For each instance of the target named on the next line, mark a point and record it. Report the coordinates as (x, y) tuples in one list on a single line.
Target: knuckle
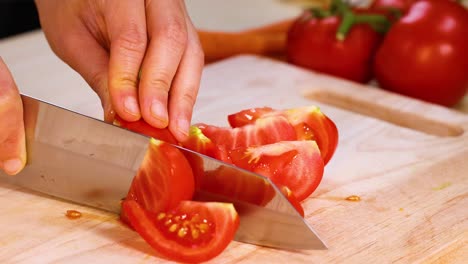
[(196, 51), (161, 81), (126, 79), (133, 39), (188, 99), (175, 32), (97, 81)]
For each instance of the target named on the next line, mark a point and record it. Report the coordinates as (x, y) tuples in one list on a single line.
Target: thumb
[(12, 137)]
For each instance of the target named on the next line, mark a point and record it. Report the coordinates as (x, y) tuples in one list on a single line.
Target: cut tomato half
[(295, 164), (192, 232)]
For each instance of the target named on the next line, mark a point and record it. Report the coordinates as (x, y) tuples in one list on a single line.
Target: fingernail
[(183, 126), (12, 166), (159, 112), (131, 106)]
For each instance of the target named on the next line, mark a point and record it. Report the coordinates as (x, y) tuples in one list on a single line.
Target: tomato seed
[(195, 233), (203, 228), (182, 232), (161, 216), (173, 228)]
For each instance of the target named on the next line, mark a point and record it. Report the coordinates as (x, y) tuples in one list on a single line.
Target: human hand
[(109, 41), (12, 137)]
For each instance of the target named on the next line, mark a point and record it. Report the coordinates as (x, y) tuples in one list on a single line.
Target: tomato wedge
[(248, 116), (163, 180), (260, 132), (292, 199), (200, 143), (309, 123), (230, 182), (144, 128), (191, 232), (295, 164)]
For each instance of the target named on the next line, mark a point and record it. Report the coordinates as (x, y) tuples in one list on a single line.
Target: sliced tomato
[(232, 183), (295, 164), (248, 116), (262, 131), (309, 123), (200, 143), (292, 199), (144, 128), (192, 232), (163, 180)]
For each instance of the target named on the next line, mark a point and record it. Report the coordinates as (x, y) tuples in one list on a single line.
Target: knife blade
[(90, 162)]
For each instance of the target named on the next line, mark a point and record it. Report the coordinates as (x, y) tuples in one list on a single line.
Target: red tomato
[(230, 182), (402, 5), (262, 131), (425, 53), (295, 164), (292, 199), (192, 232), (312, 44), (309, 123), (198, 142), (248, 116), (144, 128), (163, 180)]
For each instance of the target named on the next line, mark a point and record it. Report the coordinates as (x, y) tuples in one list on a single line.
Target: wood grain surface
[(406, 160)]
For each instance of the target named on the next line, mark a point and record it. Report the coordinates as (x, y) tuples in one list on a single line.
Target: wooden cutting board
[(406, 160)]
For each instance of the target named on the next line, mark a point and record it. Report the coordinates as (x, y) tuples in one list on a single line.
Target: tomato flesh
[(164, 178), (262, 131), (191, 232), (309, 124), (295, 164)]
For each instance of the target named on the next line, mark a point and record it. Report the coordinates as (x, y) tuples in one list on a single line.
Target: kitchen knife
[(90, 162)]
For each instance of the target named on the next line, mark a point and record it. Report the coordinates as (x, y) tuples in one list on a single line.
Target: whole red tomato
[(425, 53), (312, 43), (403, 5)]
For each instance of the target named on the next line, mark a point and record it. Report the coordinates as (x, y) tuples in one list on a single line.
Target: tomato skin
[(312, 44), (144, 128), (297, 165), (424, 54), (222, 221), (403, 5)]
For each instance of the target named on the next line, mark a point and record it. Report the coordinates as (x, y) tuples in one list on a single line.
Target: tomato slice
[(248, 116), (163, 180), (191, 232), (309, 123), (230, 182), (295, 164), (262, 131), (292, 199), (200, 143), (144, 128)]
